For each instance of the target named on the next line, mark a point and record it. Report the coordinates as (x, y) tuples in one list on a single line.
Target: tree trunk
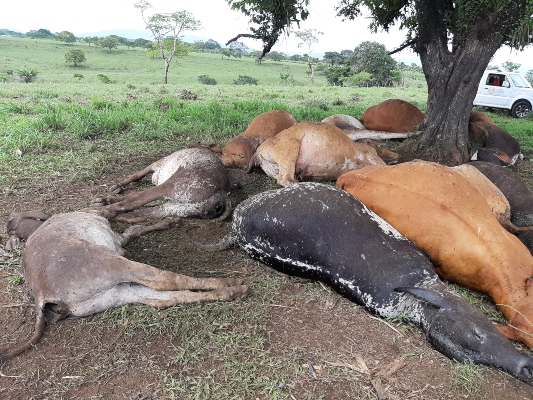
[(167, 66), (452, 73)]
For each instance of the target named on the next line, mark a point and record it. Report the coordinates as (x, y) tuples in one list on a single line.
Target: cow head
[(462, 332), (20, 226)]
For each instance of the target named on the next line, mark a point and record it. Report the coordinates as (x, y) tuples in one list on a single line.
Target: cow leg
[(105, 201), (128, 293), (116, 269), (139, 230), (133, 201), (135, 177)]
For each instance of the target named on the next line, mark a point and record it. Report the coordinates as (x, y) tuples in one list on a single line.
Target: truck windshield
[(519, 81)]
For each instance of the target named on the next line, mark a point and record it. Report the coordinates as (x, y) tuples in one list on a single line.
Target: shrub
[(28, 76), (104, 78), (245, 80), (78, 75), (188, 95), (207, 80)]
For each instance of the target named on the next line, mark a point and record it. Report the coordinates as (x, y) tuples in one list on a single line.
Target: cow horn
[(429, 296)]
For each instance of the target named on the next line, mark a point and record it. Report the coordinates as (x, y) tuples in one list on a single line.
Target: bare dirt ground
[(289, 339)]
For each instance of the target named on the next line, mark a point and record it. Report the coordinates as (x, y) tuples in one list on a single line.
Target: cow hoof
[(99, 202), (232, 292), (116, 189)]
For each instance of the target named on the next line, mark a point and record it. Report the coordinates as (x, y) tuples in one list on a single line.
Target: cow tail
[(40, 322)]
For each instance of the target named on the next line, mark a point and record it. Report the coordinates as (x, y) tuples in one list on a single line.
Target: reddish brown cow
[(446, 216), (239, 150), (392, 115)]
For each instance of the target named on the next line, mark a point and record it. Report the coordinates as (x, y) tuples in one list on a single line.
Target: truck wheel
[(520, 109)]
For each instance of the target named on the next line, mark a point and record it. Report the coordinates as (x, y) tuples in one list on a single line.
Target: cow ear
[(429, 296)]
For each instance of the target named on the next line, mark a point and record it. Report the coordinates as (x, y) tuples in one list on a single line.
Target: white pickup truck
[(508, 90)]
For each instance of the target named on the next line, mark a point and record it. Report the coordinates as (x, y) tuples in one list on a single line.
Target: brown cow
[(312, 151), (193, 181), (238, 151), (392, 115), (73, 266), (490, 142), (443, 214)]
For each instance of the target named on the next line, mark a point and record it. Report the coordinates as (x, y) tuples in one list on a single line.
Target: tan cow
[(443, 214), (238, 151), (312, 151), (392, 115), (74, 267)]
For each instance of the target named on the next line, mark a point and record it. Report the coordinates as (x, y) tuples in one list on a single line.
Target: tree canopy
[(75, 56), (67, 37), (372, 57)]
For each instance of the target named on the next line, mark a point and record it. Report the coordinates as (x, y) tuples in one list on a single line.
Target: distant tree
[(142, 43), (182, 49), (529, 76), (211, 45), (373, 57), (237, 53), (308, 37), (510, 66), (297, 58), (167, 25), (239, 46), (333, 58), (75, 56), (108, 42), (225, 52), (346, 53), (198, 45), (337, 75), (40, 34), (275, 56), (88, 40), (286, 76), (66, 36)]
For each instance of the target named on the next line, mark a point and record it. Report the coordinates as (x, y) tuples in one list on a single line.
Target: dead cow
[(193, 181), (446, 216), (357, 132), (73, 266), (515, 189), (491, 143), (312, 151), (392, 115), (239, 150)]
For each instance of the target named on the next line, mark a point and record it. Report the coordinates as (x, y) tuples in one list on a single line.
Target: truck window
[(519, 81), (495, 79)]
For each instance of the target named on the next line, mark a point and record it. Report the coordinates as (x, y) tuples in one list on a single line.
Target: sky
[(219, 23)]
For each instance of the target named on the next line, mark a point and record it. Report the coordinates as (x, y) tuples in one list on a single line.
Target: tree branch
[(246, 35), (403, 46)]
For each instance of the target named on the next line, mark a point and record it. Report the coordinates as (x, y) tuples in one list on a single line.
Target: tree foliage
[(167, 26), (308, 37), (40, 34), (108, 43), (75, 56), (270, 19), (373, 57), (529, 76), (67, 37), (510, 66)]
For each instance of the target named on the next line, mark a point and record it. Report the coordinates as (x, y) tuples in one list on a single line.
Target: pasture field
[(64, 140)]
